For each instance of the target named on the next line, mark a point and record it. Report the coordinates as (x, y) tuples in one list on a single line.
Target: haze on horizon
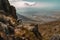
[(37, 6)]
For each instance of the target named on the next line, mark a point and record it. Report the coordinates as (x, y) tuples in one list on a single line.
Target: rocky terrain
[(49, 29), (12, 28)]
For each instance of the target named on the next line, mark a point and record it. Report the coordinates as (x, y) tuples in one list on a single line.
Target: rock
[(13, 11), (9, 24), (7, 19), (55, 37), (10, 10), (5, 5)]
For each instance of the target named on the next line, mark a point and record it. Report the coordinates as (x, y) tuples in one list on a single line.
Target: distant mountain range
[(24, 18), (40, 19)]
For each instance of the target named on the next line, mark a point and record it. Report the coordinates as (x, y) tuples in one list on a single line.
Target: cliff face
[(13, 28), (6, 7)]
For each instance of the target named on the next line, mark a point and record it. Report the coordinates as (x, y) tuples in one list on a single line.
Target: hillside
[(13, 29), (49, 29)]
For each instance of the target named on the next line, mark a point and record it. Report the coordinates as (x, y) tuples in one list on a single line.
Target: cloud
[(21, 4), (44, 5), (15, 0)]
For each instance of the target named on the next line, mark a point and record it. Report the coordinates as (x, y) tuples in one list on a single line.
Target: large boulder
[(10, 10)]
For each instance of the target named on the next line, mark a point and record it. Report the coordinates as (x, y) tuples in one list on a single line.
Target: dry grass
[(49, 29)]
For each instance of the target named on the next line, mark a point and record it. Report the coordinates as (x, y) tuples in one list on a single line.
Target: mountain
[(36, 18), (24, 18)]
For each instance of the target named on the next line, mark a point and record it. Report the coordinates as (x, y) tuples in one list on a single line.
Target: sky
[(38, 3), (32, 7)]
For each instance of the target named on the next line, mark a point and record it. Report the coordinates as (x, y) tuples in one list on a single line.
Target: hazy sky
[(38, 6), (55, 4)]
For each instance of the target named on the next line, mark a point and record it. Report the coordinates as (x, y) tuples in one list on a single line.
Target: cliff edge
[(9, 9)]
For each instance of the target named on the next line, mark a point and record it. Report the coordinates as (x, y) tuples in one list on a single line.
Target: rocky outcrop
[(13, 11), (10, 28), (10, 10)]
